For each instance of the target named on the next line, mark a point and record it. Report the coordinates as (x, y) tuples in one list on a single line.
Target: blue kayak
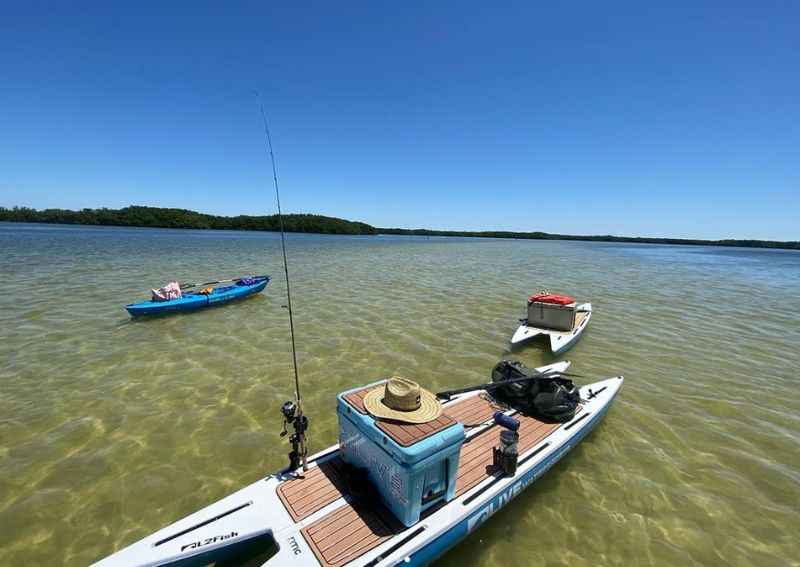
[(192, 300)]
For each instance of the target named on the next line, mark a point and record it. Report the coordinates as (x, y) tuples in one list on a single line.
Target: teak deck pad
[(349, 532), (319, 487), (405, 434), (579, 317), (476, 460), (474, 411), (355, 528)]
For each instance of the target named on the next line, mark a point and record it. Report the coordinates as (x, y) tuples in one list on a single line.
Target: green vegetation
[(157, 217), (794, 245), (180, 218)]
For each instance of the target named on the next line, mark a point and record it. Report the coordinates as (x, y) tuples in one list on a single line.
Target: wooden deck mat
[(473, 411), (349, 532), (356, 399), (316, 489), (475, 462)]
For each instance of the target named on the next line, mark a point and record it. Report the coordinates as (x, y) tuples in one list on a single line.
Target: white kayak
[(311, 519), (560, 341)]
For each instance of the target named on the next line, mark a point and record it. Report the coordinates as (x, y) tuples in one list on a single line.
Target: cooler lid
[(405, 434), (553, 298)]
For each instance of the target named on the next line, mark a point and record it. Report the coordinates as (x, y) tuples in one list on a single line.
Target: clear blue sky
[(636, 118)]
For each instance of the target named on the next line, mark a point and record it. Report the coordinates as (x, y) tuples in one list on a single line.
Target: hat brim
[(429, 407)]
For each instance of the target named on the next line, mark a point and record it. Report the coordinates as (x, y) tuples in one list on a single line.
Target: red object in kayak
[(551, 298)]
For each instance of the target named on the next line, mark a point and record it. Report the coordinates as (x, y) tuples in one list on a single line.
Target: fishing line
[(286, 273)]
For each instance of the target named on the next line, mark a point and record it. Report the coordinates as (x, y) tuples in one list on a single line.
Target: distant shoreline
[(773, 244), (157, 217)]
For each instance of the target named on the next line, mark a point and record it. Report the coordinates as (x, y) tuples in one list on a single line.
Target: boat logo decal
[(208, 541), (295, 546), (498, 502)]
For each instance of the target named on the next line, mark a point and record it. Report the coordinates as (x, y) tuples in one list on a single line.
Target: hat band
[(404, 403)]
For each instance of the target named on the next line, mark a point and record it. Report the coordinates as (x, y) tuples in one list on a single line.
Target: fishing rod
[(292, 412)]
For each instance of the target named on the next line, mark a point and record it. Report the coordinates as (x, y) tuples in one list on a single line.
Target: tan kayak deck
[(357, 527), (579, 317)]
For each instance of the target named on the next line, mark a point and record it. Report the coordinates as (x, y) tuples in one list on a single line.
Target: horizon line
[(346, 226)]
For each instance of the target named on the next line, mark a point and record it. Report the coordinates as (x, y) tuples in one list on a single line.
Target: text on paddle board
[(208, 541)]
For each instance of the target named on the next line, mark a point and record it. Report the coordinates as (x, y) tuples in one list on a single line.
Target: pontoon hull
[(560, 341)]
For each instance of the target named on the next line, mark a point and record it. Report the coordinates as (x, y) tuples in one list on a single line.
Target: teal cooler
[(409, 479)]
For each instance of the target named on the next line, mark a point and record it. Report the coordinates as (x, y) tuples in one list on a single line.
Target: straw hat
[(402, 400)]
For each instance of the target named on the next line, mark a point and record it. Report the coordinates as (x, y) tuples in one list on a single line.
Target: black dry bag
[(557, 399), (552, 398), (511, 370)]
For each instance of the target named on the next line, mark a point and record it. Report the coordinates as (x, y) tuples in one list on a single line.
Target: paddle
[(447, 394), (188, 285)]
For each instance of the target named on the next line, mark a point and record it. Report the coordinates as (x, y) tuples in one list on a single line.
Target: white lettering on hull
[(501, 500)]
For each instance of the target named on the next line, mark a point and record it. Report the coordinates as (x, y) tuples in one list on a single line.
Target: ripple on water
[(110, 429)]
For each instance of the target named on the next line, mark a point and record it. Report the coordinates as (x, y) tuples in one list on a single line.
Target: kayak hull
[(195, 301)]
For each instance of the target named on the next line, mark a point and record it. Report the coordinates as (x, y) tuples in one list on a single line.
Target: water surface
[(112, 428)]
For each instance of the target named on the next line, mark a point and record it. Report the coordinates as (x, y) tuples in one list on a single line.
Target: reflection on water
[(110, 429)]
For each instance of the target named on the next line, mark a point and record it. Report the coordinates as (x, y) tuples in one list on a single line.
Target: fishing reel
[(294, 417), (289, 411)]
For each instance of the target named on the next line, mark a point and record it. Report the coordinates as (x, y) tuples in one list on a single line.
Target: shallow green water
[(110, 429)]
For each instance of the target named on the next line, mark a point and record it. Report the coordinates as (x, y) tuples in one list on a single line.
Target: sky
[(675, 119)]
